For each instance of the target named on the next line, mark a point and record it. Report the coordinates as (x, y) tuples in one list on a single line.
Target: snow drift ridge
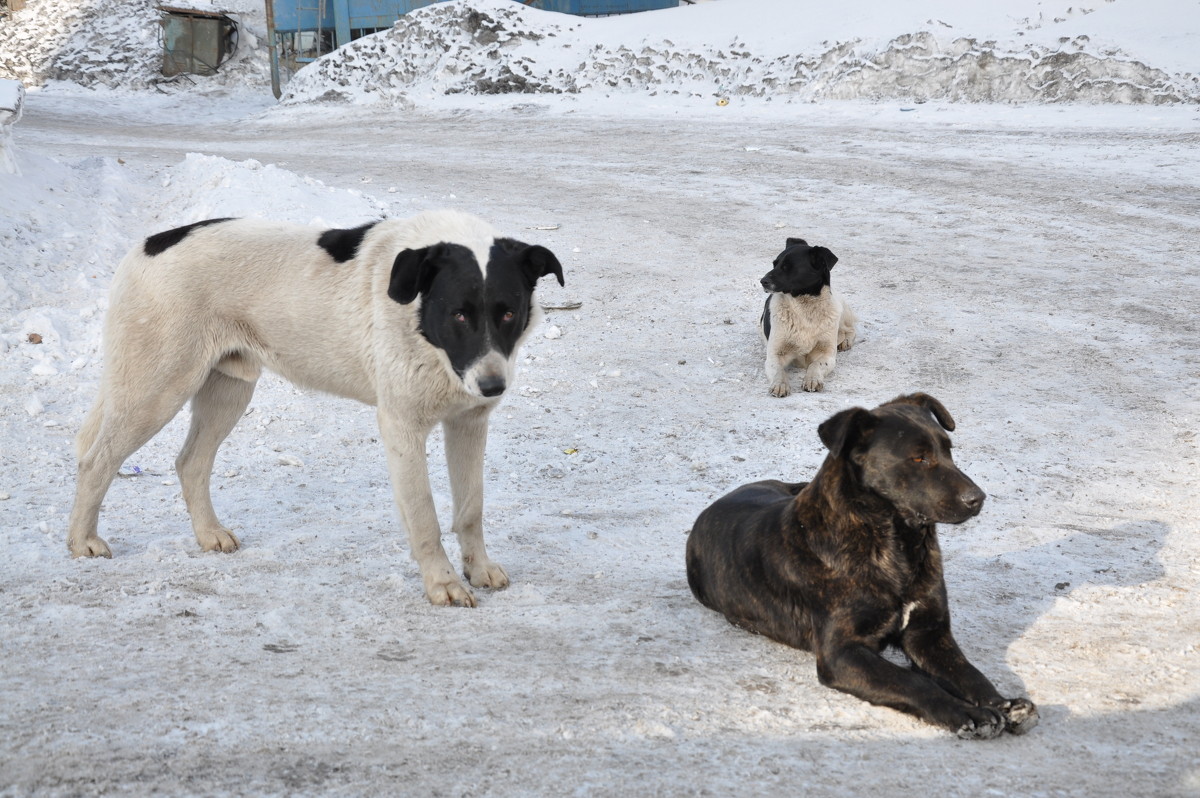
[(496, 46)]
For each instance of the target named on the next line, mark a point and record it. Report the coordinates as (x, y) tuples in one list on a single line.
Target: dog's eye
[(924, 461), (508, 315), (460, 316)]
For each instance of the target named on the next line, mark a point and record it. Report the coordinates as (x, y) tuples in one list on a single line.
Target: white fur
[(809, 331), (202, 319), (906, 613)]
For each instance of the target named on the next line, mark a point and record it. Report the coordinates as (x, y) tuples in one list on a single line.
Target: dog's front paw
[(981, 723), (780, 389), (90, 547), (1020, 715), (485, 573), (218, 539), (813, 383), (447, 592)]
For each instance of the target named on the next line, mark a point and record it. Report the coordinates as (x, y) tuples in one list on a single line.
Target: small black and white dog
[(849, 564), (803, 320), (420, 317)]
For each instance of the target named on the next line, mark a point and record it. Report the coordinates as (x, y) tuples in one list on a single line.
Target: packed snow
[(1030, 262)]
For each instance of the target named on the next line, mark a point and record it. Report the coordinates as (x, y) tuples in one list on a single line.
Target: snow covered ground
[(1033, 266)]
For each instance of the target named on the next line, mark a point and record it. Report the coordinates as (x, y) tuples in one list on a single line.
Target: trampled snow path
[(1033, 268)]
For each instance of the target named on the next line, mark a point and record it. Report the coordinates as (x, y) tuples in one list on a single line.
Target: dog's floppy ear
[(413, 272), (537, 262), (791, 242), (926, 401), (823, 258), (534, 261), (844, 430)]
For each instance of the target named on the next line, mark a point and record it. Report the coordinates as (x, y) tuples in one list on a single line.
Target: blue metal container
[(357, 15), (599, 8)]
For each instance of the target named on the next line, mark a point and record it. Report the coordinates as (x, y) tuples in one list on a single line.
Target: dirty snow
[(117, 43), (985, 52), (1032, 265)]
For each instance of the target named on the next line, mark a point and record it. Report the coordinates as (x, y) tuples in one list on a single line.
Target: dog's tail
[(90, 429)]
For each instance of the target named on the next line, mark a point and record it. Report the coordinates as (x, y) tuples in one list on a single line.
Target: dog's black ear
[(537, 261), (534, 261), (413, 272), (791, 242), (823, 258), (844, 430), (926, 401)]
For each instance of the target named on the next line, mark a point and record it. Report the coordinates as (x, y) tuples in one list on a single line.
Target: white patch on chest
[(799, 323), (905, 613)]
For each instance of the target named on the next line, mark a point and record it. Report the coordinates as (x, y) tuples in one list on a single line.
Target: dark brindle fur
[(849, 564)]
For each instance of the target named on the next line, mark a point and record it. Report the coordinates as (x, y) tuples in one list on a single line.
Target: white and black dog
[(803, 320), (421, 318)]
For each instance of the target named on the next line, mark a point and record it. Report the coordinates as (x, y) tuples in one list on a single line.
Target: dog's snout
[(493, 385), (768, 284), (972, 498)]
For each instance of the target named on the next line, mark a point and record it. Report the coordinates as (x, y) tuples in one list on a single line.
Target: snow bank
[(208, 187), (1119, 51), (114, 43), (763, 48), (12, 96), (64, 227)]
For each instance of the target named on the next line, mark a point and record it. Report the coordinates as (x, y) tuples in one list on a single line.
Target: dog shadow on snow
[(1021, 586)]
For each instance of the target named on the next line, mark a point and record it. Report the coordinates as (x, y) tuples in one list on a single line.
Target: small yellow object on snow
[(724, 101), (571, 451)]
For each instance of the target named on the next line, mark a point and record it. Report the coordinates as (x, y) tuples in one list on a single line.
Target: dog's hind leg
[(83, 540), (216, 408), (91, 427), (466, 437), (117, 426), (846, 333)]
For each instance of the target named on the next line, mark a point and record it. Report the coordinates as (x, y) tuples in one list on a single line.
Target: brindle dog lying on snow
[(849, 564)]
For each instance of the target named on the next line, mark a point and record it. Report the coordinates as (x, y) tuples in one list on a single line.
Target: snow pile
[(207, 187), (110, 42), (113, 43), (12, 96), (497, 46), (49, 259)]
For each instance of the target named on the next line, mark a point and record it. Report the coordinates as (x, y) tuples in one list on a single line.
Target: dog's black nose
[(767, 284), (491, 386), (972, 498)]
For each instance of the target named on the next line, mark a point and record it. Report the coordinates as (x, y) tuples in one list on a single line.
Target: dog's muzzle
[(488, 376), (967, 504), (972, 500), (491, 385), (768, 284)]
